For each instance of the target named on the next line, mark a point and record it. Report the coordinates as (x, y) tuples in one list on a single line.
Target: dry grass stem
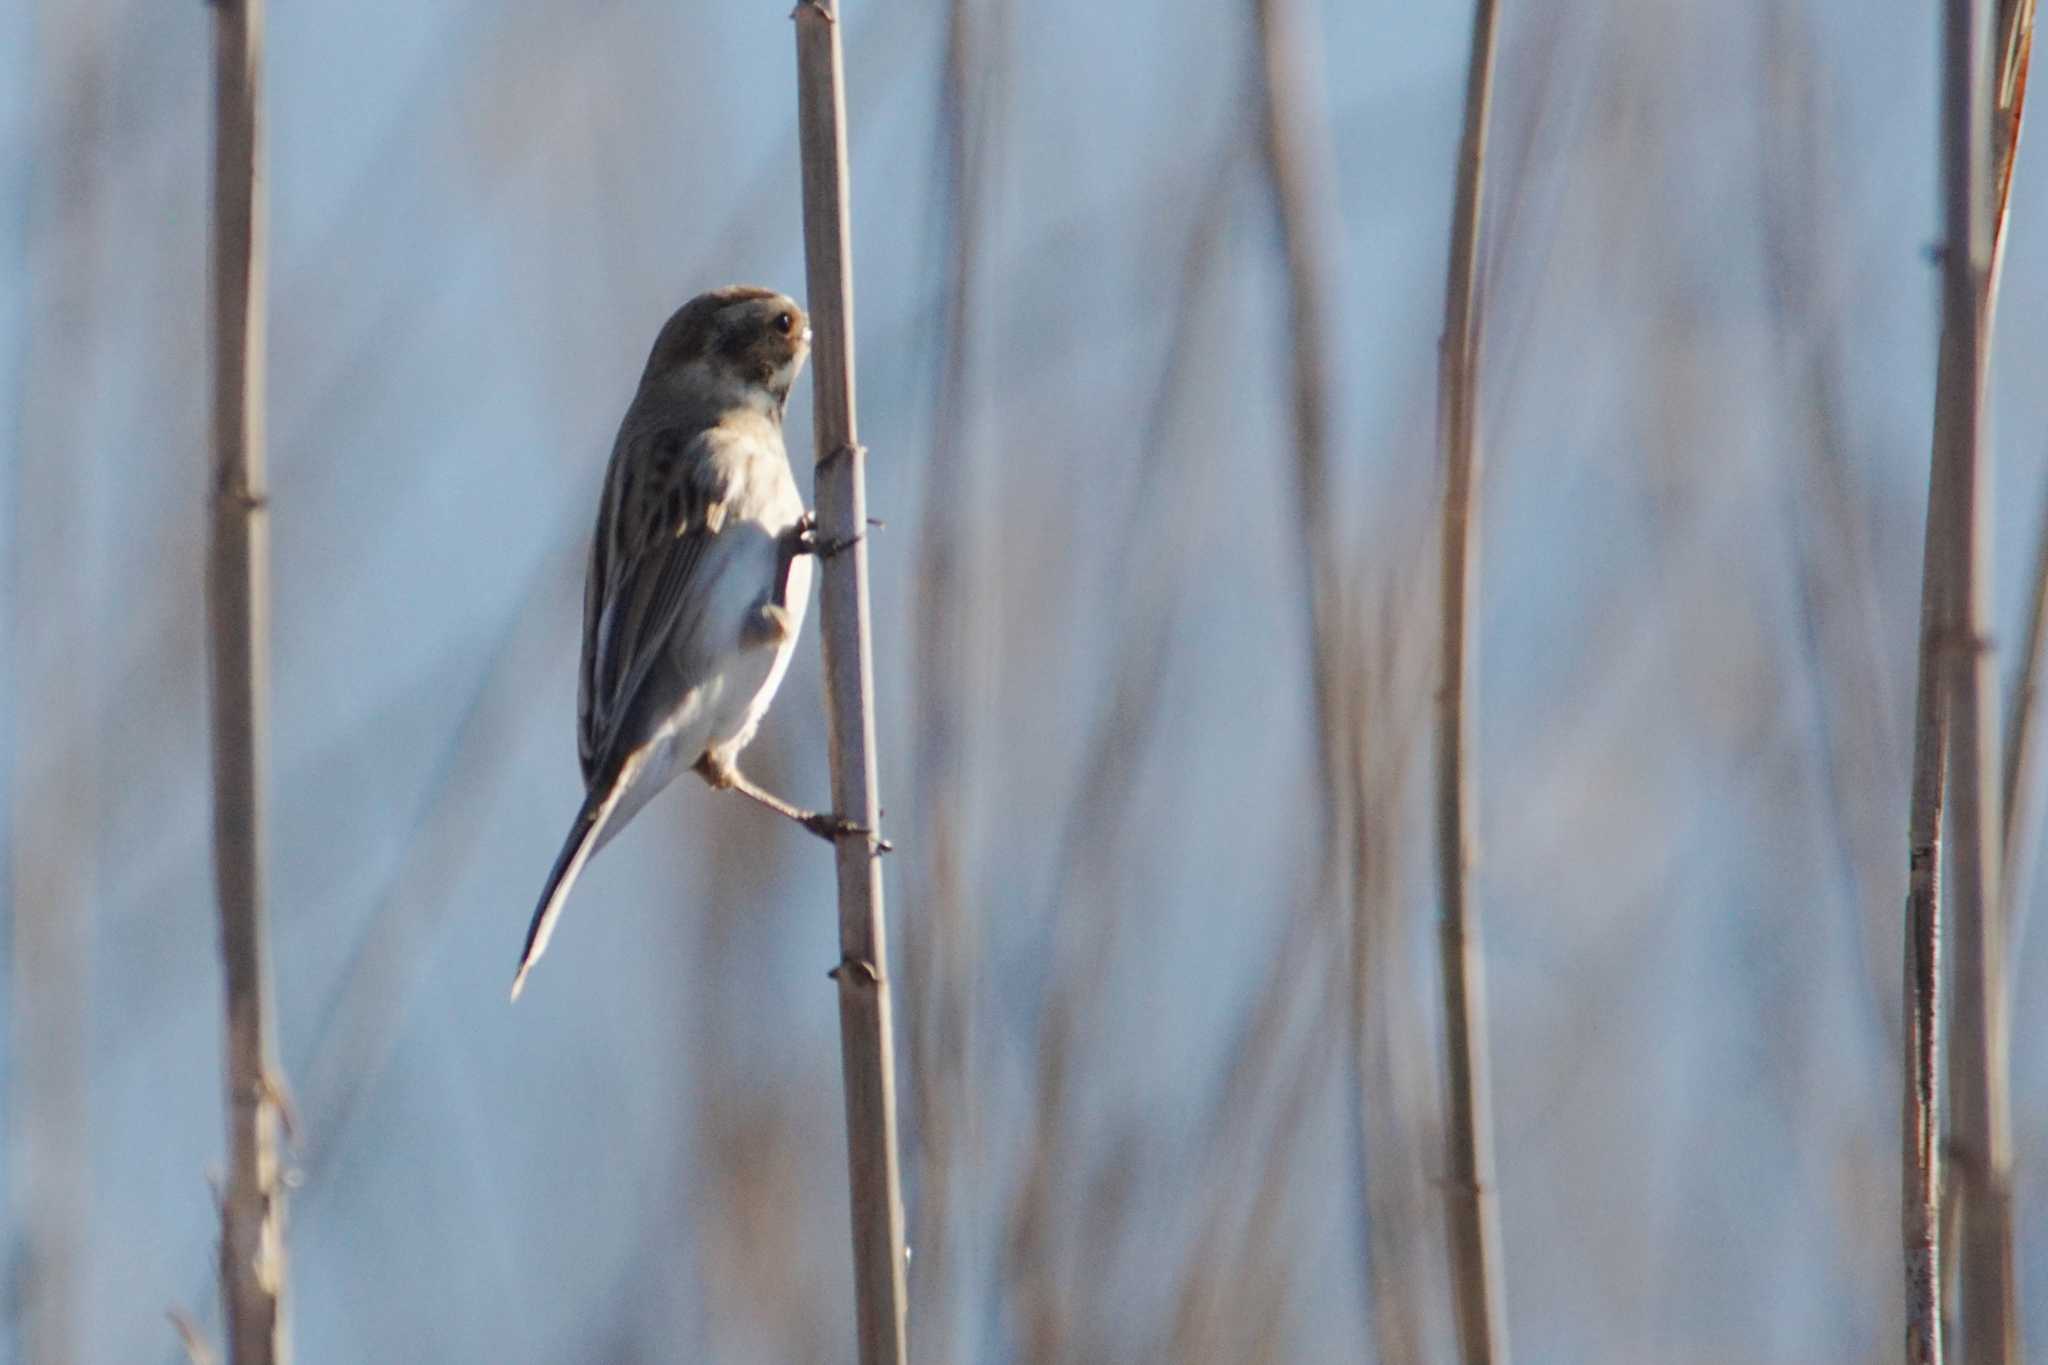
[(1921, 1225), (868, 1047), (1471, 1204), (237, 588), (1959, 583), (2022, 790)]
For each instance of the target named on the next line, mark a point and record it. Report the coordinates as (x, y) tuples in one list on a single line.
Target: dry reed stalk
[(1471, 1204), (1958, 587), (867, 1044), (1924, 977), (252, 1248), (2015, 39), (2023, 796), (1295, 172), (1982, 1142)]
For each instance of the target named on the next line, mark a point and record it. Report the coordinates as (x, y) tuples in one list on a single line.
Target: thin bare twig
[(252, 1209), (1468, 1129), (867, 1044)]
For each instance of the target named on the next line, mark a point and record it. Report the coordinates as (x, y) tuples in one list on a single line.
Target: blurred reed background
[(1168, 1012)]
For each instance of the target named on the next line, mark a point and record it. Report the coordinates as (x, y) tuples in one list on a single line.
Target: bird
[(699, 575)]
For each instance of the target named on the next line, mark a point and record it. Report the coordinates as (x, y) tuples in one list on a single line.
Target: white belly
[(756, 673), (731, 675)]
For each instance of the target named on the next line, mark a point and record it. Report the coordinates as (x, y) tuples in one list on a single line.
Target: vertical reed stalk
[(868, 1048), (237, 588), (1473, 1218), (1981, 1120)]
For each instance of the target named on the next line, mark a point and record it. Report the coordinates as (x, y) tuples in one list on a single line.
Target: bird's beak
[(807, 334)]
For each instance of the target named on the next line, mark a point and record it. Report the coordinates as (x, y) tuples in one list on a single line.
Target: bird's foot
[(724, 775), (832, 828), (809, 542)]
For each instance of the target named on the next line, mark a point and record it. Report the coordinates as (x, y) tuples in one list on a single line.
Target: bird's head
[(741, 342)]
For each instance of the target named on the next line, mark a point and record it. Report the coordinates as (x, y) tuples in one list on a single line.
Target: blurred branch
[(864, 1011), (2022, 787), (941, 955), (1473, 1226), (1119, 740), (360, 1025), (1226, 1307), (51, 811), (252, 1214), (1844, 662), (1298, 167), (1385, 1068)]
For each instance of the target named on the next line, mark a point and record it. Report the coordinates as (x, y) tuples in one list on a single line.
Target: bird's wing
[(665, 499)]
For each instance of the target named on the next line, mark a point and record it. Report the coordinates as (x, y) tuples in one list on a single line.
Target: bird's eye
[(785, 324)]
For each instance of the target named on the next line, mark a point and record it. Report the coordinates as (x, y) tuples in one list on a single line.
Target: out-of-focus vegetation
[(1170, 1074)]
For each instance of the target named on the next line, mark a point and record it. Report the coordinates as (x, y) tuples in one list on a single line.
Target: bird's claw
[(832, 828), (809, 543)]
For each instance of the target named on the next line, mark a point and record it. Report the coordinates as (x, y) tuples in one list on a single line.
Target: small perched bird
[(698, 576)]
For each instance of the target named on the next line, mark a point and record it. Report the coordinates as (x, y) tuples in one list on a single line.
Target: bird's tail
[(599, 808)]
